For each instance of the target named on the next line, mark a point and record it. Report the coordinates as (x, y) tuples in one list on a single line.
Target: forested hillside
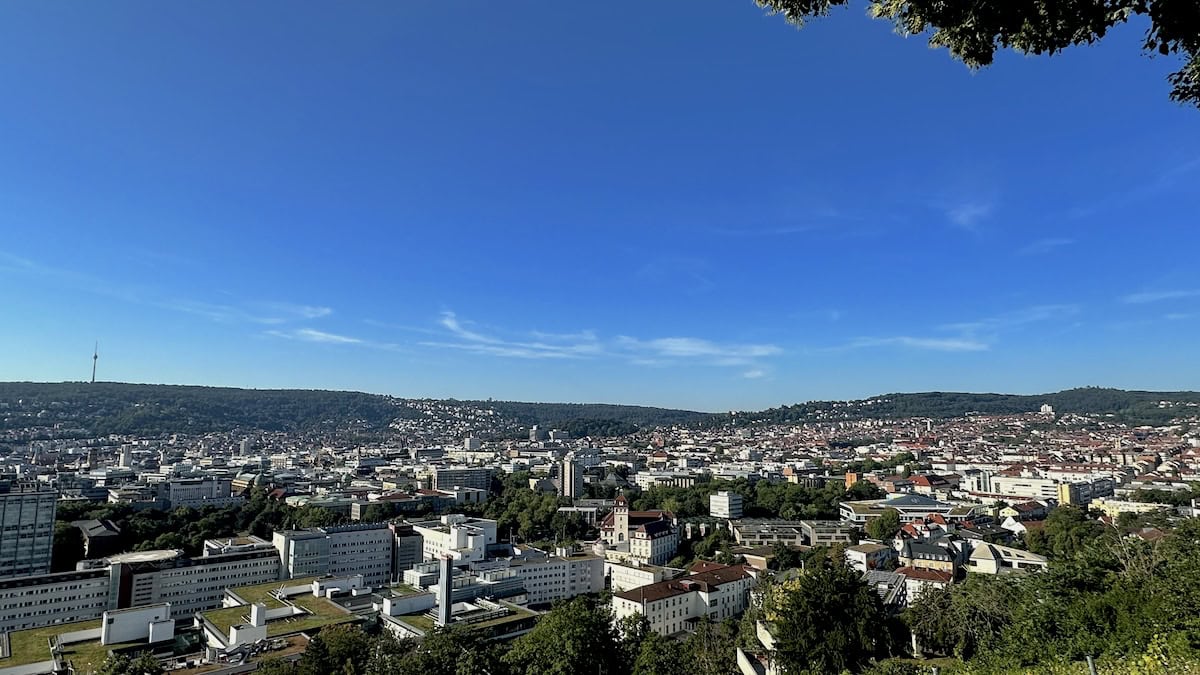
[(1135, 407)]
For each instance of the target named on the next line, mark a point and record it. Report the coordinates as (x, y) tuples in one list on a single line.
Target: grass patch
[(261, 593), (33, 646)]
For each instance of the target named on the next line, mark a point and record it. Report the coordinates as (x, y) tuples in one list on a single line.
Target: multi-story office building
[(560, 577), (827, 532), (725, 505), (408, 550), (444, 479), (464, 539), (341, 551), (136, 580), (26, 529), (31, 602), (199, 492), (768, 532), (190, 584)]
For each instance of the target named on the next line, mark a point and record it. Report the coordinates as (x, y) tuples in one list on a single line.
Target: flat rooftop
[(31, 646), (320, 611)]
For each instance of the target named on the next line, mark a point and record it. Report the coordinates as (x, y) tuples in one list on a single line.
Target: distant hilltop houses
[(243, 542)]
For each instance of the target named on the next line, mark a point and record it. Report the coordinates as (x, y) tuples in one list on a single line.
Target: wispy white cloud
[(693, 275), (968, 215), (970, 336), (1166, 179), (754, 374), (1044, 246), (286, 311), (1158, 296), (938, 344), (690, 348), (1177, 316), (464, 336), (313, 335), (776, 231), (549, 346), (1013, 319), (266, 313)]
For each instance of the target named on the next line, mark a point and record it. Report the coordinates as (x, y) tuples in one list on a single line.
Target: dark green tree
[(885, 525), (660, 655), (828, 621), (143, 663), (975, 31), (68, 547), (574, 637)]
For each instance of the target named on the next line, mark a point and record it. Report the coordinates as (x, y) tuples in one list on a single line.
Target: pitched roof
[(703, 582), (921, 574)]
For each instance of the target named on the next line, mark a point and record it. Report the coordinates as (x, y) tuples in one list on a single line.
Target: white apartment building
[(560, 577), (462, 538), (674, 606), (341, 551), (649, 479), (32, 602), (725, 505), (189, 584), (135, 580), (1080, 492)]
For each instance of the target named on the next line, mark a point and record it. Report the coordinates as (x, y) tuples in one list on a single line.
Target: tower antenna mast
[(95, 357)]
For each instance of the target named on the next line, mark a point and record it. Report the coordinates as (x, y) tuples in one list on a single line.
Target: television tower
[(95, 357)]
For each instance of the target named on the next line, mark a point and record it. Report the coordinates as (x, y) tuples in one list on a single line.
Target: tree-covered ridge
[(563, 415), (150, 409), (1136, 407), (154, 409)]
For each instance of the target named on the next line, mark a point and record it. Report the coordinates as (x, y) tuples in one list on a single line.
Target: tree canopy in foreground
[(974, 31)]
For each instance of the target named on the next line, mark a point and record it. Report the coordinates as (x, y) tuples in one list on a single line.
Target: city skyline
[(706, 210)]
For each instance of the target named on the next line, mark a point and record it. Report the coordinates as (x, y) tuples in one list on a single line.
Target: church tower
[(621, 519)]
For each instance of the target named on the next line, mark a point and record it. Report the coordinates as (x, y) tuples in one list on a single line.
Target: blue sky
[(668, 203)]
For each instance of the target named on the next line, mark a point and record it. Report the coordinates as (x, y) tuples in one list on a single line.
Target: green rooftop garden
[(33, 646), (321, 612), (261, 593)]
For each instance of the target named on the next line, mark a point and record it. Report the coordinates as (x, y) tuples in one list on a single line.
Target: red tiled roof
[(703, 581), (922, 574)]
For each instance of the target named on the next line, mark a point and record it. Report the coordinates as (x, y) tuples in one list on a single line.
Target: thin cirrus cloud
[(313, 335), (265, 313), (971, 336), (949, 344), (464, 336), (1044, 246), (1159, 296), (968, 215)]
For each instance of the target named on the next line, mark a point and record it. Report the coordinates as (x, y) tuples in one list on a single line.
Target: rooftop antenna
[(95, 357)]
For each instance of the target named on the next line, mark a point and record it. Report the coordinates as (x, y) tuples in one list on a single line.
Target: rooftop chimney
[(443, 611)]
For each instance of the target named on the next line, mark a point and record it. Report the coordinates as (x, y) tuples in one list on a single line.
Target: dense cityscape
[(722, 540), (744, 337)]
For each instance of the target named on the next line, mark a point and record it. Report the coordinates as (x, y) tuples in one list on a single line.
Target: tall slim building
[(570, 478), (26, 530)]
